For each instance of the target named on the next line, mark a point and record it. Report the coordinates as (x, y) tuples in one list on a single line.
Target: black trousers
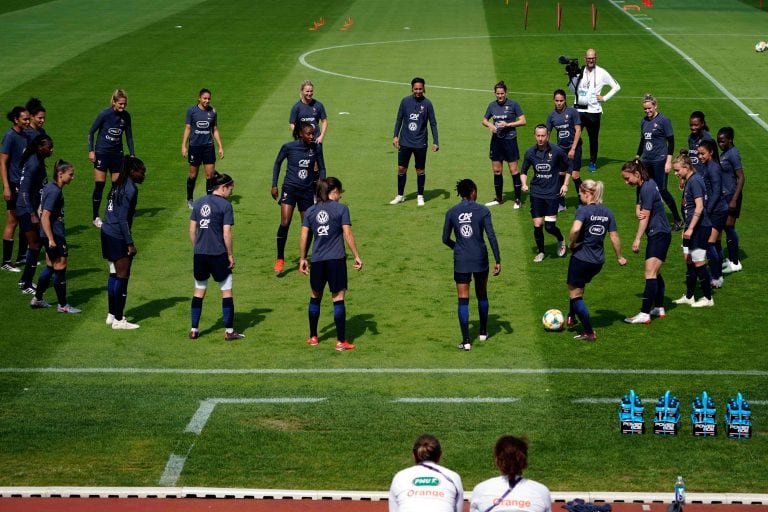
[(590, 122)]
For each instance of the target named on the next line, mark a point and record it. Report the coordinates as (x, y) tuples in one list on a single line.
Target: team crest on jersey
[(322, 217), (413, 126), (205, 210), (303, 174)]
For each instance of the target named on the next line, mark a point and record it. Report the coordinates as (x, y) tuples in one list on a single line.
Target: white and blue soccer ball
[(761, 46), (553, 320)]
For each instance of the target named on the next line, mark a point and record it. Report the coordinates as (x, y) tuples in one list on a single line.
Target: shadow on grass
[(430, 195), (153, 308), (148, 212), (79, 296), (495, 326)]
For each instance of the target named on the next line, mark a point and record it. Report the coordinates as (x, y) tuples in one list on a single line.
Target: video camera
[(572, 68)]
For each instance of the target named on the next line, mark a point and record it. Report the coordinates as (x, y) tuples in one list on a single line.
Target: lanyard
[(506, 493)]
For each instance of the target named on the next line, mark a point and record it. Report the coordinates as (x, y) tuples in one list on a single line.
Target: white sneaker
[(640, 318), (561, 249), (517, 205), (732, 267), (97, 222), (482, 337), (189, 204), (495, 202), (717, 283), (684, 300), (9, 267), (419, 200), (466, 347), (726, 262), (38, 303), (538, 258), (658, 312), (124, 324), (110, 319), (397, 199), (561, 208), (703, 303), (68, 309)]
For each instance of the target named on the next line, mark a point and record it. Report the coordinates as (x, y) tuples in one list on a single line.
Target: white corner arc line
[(752, 115), (456, 400)]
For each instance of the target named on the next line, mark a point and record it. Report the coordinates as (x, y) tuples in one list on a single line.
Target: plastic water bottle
[(680, 490)]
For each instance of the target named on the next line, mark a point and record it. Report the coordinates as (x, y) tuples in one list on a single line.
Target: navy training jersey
[(653, 138), (695, 188), (201, 123), (53, 201), (596, 222), (730, 162), (300, 169), (694, 141), (325, 220), (211, 213), (111, 126), (649, 198), (411, 122), (508, 112), (14, 144), (119, 211), (564, 124), (547, 165), (33, 178), (468, 220), (713, 179), (311, 113)]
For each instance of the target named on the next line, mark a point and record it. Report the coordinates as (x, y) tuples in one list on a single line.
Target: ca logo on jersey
[(322, 217), (465, 217)]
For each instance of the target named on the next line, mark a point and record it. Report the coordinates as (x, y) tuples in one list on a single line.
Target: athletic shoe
[(684, 300), (571, 321), (726, 262), (9, 267), (732, 267), (398, 199), (97, 222), (110, 319), (677, 225), (658, 312), (561, 208), (640, 318), (29, 290), (483, 336), (494, 202), (279, 266), (561, 249), (123, 325), (592, 167), (539, 258), (20, 262), (36, 303), (703, 303), (189, 204), (419, 200), (341, 346), (517, 204), (232, 336), (194, 334), (586, 336), (313, 341), (20, 285), (465, 346), (68, 309), (717, 283)]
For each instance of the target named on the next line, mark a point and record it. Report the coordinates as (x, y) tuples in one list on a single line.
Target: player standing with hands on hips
[(410, 138)]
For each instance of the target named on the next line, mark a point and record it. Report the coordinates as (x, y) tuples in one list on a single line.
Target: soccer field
[(85, 405)]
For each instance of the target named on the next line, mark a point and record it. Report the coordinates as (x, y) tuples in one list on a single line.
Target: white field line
[(374, 371), (456, 400), (752, 115)]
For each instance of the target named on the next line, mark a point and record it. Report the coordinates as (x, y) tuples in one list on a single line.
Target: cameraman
[(588, 88)]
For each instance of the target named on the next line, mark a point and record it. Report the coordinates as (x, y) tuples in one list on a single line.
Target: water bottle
[(680, 490)]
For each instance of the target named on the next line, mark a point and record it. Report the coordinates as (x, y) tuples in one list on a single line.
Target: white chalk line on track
[(373, 371)]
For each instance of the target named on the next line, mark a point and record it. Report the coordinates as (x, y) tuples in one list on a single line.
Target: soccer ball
[(761, 46), (553, 320)]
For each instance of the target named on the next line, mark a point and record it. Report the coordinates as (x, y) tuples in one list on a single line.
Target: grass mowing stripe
[(456, 400)]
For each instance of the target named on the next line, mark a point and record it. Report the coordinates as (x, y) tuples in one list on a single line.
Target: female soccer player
[(52, 238), (309, 110), (203, 118), (117, 245), (566, 123), (716, 205), (733, 187), (13, 146), (507, 492), (652, 221), (548, 162), (467, 221), (305, 165), (329, 223), (445, 492), (36, 118), (210, 231), (592, 223), (502, 118), (698, 228), (33, 178), (699, 133), (106, 151), (656, 147)]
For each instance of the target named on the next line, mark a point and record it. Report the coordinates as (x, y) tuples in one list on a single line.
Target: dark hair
[(427, 447), (711, 146), (511, 455), (15, 112), (33, 147), (500, 85), (465, 187), (203, 91), (727, 131), (300, 127), (325, 186), (636, 167), (698, 114), (220, 180), (539, 126), (61, 166), (418, 80), (561, 92), (34, 106), (130, 164)]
